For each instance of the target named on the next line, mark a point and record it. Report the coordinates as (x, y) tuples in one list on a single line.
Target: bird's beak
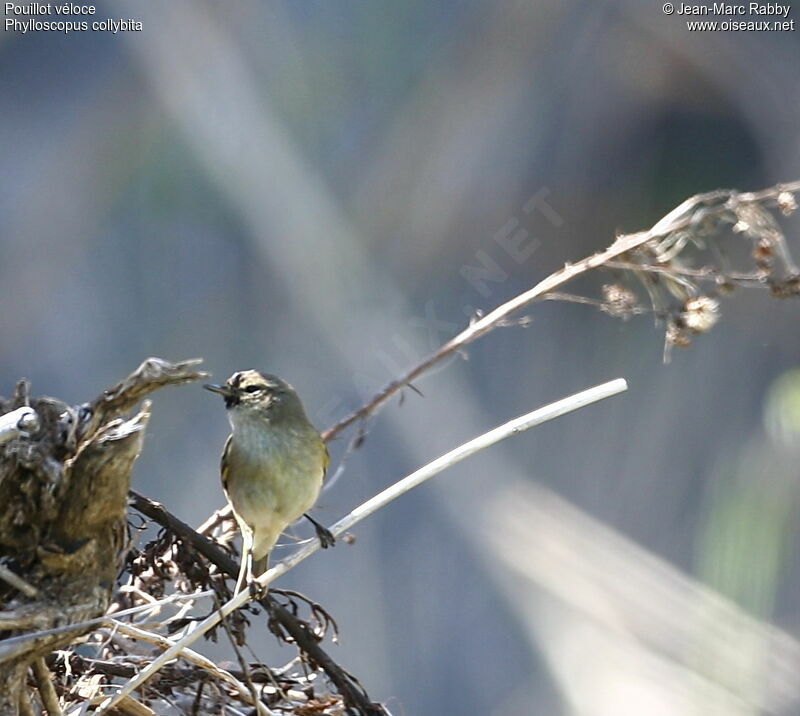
[(221, 389)]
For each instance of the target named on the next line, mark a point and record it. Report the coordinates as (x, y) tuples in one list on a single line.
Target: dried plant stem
[(703, 274), (25, 706), (247, 677), (683, 216), (12, 645), (193, 657), (513, 427), (12, 578), (43, 681)]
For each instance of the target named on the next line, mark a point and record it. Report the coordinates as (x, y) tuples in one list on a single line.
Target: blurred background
[(308, 188)]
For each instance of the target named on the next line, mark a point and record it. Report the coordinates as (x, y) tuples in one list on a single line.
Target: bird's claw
[(257, 591), (325, 537)]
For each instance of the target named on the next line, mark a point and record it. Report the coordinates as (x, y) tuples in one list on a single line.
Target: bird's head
[(256, 394)]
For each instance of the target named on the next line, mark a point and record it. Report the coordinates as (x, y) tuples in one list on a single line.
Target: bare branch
[(152, 374), (686, 216), (25, 706), (17, 582), (45, 685)]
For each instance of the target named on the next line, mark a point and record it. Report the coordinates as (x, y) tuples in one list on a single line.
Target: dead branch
[(656, 250), (64, 480)]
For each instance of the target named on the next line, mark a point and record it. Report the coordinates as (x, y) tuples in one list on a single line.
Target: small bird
[(272, 465)]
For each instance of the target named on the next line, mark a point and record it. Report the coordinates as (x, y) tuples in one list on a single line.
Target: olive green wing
[(225, 464)]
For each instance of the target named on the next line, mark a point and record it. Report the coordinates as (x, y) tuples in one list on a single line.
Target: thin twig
[(585, 301), (25, 706), (217, 518), (14, 647), (513, 427), (195, 658), (43, 681), (160, 514), (248, 679), (704, 274), (126, 670), (17, 582), (198, 697), (683, 216), (10, 647)]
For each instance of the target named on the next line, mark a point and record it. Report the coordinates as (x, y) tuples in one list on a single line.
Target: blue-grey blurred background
[(301, 187)]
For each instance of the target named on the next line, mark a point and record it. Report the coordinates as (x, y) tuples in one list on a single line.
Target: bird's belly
[(279, 489), (274, 497)]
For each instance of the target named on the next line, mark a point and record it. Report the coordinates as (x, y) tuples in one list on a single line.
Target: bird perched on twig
[(272, 465)]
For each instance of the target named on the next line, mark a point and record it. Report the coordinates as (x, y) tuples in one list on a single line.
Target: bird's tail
[(250, 569), (260, 565)]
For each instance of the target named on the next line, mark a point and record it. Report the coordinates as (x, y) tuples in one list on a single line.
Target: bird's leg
[(324, 535), (245, 570), (257, 568)]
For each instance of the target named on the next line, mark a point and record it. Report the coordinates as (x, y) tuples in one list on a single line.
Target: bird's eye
[(252, 389)]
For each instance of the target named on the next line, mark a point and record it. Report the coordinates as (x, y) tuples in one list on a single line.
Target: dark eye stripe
[(253, 388)]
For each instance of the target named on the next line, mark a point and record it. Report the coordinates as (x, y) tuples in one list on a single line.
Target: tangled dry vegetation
[(170, 567), (71, 632)]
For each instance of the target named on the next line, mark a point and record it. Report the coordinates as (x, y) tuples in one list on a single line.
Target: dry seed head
[(741, 226), (787, 203), (700, 314), (764, 252), (621, 300), (678, 335)]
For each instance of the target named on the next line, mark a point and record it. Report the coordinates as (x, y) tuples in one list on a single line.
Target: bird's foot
[(257, 591), (324, 535)]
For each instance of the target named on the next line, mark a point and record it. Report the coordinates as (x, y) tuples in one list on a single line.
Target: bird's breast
[(274, 474)]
